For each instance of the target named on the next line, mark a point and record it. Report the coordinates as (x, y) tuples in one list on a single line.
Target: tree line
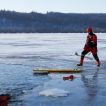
[(51, 22)]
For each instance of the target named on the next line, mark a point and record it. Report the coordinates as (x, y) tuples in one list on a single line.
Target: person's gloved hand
[(91, 44)]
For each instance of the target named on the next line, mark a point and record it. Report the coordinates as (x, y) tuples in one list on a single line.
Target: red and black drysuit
[(90, 46)]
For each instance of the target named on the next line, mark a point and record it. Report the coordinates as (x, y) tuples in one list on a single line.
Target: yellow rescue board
[(47, 71)]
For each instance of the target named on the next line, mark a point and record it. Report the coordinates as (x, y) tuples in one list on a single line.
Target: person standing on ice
[(90, 46)]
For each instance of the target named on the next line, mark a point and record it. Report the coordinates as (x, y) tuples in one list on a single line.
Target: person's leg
[(82, 58), (97, 59)]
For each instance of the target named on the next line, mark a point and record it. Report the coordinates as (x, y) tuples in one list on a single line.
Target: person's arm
[(86, 44)]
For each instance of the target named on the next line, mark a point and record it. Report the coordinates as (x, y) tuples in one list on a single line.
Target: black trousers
[(94, 55)]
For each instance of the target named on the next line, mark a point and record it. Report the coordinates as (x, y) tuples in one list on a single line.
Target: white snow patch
[(54, 92)]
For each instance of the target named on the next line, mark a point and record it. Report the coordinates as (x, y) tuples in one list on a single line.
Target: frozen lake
[(20, 53)]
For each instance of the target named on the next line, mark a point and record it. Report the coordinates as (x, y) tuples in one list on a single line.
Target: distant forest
[(51, 22)]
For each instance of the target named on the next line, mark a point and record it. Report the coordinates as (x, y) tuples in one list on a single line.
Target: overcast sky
[(65, 6)]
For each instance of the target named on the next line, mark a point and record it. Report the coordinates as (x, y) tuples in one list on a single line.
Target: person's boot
[(98, 63), (81, 62)]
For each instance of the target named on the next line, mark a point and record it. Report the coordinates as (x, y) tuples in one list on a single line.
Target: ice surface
[(20, 53)]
